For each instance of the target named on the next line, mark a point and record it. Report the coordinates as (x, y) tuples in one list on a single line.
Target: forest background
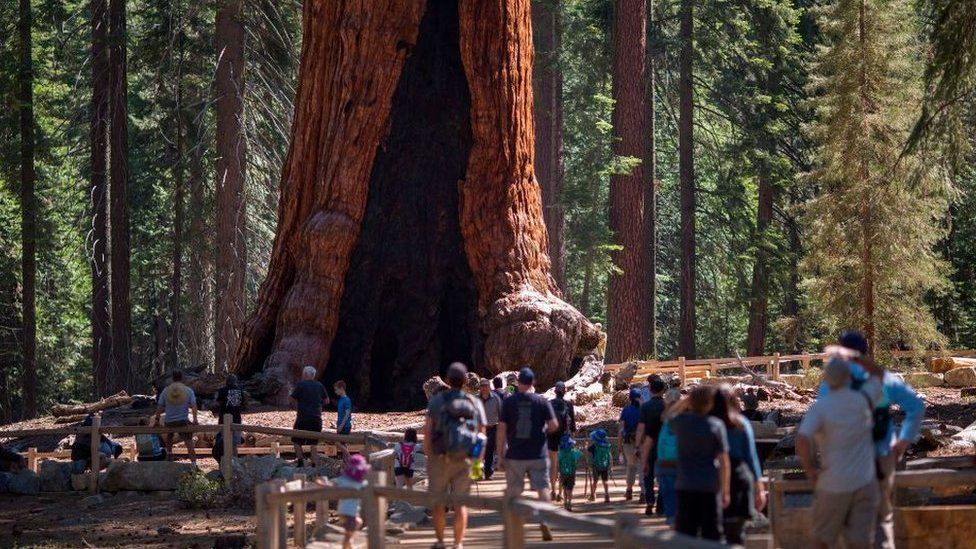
[(143, 143)]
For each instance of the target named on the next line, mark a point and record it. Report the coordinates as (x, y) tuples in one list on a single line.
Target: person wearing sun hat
[(567, 457), (177, 400), (353, 476), (600, 462)]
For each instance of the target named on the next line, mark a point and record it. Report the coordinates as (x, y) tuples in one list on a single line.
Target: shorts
[(567, 481), (307, 423), (184, 435), (850, 514), (603, 475), (516, 469), (403, 472), (445, 474), (553, 440)]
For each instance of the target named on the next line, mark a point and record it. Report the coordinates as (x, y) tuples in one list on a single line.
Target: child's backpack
[(405, 457), (566, 461), (601, 457), (456, 432)]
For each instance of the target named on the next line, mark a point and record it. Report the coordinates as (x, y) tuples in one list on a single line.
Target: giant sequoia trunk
[(410, 229)]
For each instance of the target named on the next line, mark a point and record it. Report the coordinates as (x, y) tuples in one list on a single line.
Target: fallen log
[(70, 419), (120, 399), (588, 374)]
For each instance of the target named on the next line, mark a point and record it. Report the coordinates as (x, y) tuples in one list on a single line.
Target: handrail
[(273, 498)]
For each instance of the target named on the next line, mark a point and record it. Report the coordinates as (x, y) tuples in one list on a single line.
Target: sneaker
[(569, 507), (438, 545), (559, 497), (628, 495), (649, 510), (546, 534), (552, 495), (591, 497)]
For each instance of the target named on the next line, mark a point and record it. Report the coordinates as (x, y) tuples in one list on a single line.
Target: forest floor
[(157, 520)]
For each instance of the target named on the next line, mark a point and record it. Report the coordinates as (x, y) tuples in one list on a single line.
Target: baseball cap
[(526, 376), (560, 387), (634, 393)]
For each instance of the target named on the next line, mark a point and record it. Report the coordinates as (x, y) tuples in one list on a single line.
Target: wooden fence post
[(262, 531), (95, 453), (299, 512), (279, 530), (225, 463), (681, 371), (776, 367), (374, 511), (805, 362), (274, 449), (32, 459), (514, 535), (621, 525)]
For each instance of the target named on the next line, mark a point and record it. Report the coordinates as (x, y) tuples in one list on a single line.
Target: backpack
[(456, 431), (601, 457), (880, 415), (567, 462), (561, 408), (405, 459)]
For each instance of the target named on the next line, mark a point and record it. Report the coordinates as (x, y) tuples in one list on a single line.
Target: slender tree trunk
[(483, 284), (28, 208), (231, 253), (119, 199), (548, 80), (686, 171), (650, 195), (176, 283), (101, 307), (9, 343), (627, 295), (759, 298)]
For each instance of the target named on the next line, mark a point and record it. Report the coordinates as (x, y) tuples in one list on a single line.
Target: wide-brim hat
[(356, 468), (566, 442), (598, 436)]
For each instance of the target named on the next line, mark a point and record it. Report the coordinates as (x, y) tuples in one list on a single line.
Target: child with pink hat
[(353, 476)]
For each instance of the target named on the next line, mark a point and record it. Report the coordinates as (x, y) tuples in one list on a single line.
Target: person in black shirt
[(566, 416), (230, 400), (308, 397), (648, 429)]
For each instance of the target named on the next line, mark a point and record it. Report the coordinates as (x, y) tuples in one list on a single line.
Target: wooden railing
[(771, 363), (273, 498), (369, 441)]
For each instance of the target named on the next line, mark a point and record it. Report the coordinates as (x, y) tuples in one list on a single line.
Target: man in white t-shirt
[(846, 492)]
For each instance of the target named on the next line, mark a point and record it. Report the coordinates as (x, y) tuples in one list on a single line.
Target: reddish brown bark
[(231, 252), (119, 199), (686, 171), (627, 298), (548, 82), (101, 314), (376, 237)]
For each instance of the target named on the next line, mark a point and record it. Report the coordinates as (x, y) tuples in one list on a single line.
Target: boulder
[(961, 377), (55, 476), (625, 374), (250, 471), (144, 476), (24, 482), (921, 380), (328, 467), (407, 516), (79, 481)]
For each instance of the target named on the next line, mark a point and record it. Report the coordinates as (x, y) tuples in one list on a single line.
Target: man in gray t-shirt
[(493, 407), (177, 401)]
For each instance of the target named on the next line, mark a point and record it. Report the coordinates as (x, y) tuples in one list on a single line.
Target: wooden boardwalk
[(485, 527)]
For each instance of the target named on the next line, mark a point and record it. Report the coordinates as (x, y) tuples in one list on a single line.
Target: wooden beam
[(228, 457)]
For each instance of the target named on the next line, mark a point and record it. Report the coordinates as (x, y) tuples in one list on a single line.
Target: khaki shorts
[(517, 469), (850, 514), (448, 475)]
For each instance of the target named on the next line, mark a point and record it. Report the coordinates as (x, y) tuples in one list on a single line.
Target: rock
[(79, 481), (407, 516), (625, 374), (145, 476), (922, 380), (55, 476), (25, 483), (762, 394), (249, 471), (967, 392), (584, 395), (932, 438), (433, 386), (621, 398), (961, 377)]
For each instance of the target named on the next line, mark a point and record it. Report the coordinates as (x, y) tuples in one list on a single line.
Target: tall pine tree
[(872, 226)]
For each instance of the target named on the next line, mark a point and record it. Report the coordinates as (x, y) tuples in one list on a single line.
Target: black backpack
[(456, 428), (561, 408)]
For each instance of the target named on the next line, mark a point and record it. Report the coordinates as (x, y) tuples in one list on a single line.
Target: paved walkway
[(485, 527)]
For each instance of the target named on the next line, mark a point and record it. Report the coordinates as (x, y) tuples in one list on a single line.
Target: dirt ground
[(157, 520)]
